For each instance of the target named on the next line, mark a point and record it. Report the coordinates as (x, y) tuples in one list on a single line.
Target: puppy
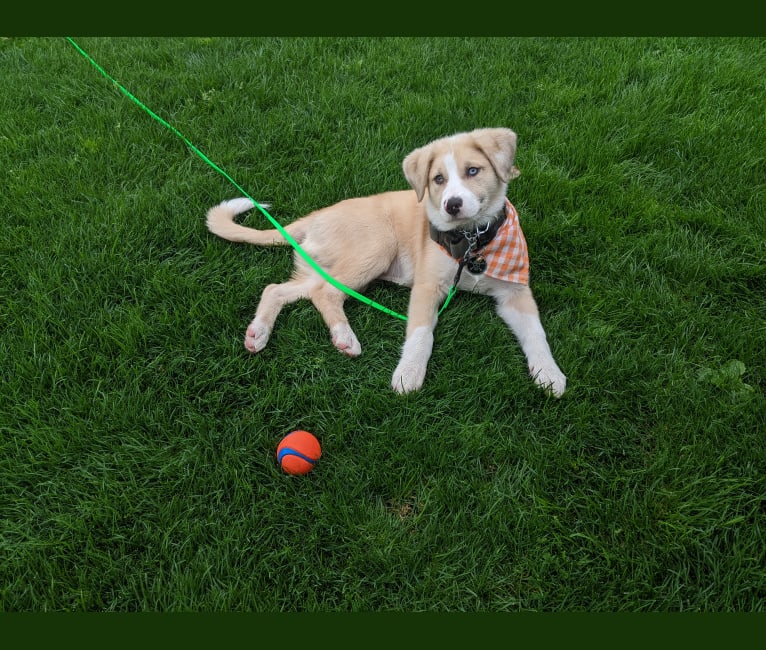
[(455, 226)]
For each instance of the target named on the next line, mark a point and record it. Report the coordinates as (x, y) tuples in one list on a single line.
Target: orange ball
[(298, 451)]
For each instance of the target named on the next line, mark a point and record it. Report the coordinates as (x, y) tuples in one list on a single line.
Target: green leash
[(274, 222)]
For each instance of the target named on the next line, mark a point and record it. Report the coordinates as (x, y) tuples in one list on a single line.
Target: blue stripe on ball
[(287, 451)]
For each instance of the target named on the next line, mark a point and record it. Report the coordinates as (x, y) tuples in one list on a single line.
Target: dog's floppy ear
[(499, 146), (417, 166)]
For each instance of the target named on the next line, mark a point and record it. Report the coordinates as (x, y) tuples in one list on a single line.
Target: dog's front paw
[(257, 336), (345, 340), (408, 377), (411, 371), (550, 378)]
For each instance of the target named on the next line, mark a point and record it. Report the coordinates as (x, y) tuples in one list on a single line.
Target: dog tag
[(476, 264)]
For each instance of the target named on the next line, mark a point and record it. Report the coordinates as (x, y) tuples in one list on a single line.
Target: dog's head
[(465, 176)]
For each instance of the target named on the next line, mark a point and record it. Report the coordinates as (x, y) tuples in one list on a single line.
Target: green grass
[(137, 435)]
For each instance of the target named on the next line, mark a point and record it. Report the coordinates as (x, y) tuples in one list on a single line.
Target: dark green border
[(382, 630), (389, 17)]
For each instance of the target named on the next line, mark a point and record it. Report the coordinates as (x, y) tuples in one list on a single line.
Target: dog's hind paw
[(257, 336), (345, 340), (551, 379)]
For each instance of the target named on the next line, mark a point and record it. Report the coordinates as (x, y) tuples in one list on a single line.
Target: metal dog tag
[(476, 264)]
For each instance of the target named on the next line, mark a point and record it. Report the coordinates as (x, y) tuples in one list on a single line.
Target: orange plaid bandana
[(506, 255)]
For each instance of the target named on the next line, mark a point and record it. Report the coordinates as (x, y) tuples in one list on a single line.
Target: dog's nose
[(453, 205)]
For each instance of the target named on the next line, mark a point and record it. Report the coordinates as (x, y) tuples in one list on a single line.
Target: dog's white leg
[(273, 298), (411, 371), (421, 321), (520, 314)]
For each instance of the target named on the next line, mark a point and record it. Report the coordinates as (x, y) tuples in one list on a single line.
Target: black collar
[(460, 241)]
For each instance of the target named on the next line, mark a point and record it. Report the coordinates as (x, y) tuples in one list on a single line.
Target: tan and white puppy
[(458, 185)]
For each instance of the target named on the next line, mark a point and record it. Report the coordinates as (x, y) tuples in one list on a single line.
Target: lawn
[(137, 435)]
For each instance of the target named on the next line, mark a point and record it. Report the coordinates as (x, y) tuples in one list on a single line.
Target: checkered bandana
[(506, 255)]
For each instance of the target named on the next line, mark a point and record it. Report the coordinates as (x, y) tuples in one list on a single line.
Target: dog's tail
[(220, 221)]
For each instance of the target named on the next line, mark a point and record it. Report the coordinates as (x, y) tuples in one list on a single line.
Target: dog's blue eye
[(472, 171), (438, 179)]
